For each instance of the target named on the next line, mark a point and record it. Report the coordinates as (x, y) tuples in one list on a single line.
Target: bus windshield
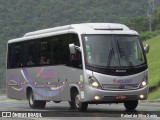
[(113, 50)]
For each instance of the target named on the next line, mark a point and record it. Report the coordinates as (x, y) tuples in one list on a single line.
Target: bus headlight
[(94, 83), (144, 82)]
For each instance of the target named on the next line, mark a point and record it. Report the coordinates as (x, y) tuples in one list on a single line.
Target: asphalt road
[(145, 111)]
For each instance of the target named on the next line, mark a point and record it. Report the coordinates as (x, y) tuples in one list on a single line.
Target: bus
[(87, 63)]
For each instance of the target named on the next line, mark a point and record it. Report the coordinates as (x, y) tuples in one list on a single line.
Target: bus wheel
[(131, 105), (35, 103), (71, 105), (56, 101), (81, 106)]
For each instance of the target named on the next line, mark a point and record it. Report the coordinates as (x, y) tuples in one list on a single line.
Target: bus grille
[(120, 86)]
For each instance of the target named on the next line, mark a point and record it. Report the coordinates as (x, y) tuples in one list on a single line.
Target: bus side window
[(60, 49), (75, 59), (17, 55), (45, 51), (11, 56), (29, 53)]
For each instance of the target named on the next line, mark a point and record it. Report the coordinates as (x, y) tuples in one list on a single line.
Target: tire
[(56, 101), (131, 105), (35, 103), (80, 106), (71, 104)]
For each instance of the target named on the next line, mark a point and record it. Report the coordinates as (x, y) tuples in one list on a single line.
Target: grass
[(154, 95), (153, 58)]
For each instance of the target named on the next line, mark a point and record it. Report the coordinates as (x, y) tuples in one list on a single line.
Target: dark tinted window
[(15, 55), (29, 53), (75, 59), (45, 51), (60, 49)]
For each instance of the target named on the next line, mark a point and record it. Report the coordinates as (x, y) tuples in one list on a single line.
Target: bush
[(148, 35)]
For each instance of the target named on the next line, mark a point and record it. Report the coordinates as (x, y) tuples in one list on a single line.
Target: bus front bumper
[(93, 95)]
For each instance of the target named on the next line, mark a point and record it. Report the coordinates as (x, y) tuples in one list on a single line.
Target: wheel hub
[(31, 99), (77, 101)]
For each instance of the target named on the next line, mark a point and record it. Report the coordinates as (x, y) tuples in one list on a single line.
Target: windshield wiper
[(123, 53), (111, 52)]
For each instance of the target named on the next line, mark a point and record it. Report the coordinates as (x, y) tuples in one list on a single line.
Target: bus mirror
[(146, 48), (72, 48), (78, 48)]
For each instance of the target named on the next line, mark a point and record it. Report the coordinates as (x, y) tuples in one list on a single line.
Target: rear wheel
[(81, 106), (131, 105), (35, 103)]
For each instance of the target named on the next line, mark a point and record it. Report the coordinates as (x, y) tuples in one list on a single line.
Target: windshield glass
[(113, 50)]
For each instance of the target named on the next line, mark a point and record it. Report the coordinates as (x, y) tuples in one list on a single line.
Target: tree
[(156, 19), (139, 24)]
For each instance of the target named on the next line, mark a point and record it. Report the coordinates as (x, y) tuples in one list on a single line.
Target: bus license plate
[(121, 97)]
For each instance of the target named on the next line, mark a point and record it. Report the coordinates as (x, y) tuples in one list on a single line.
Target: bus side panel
[(69, 76), (63, 81), (15, 84), (43, 81), (47, 86)]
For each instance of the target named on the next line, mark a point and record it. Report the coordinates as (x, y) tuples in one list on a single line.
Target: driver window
[(75, 59)]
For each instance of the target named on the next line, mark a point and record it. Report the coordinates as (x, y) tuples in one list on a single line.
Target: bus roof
[(82, 28)]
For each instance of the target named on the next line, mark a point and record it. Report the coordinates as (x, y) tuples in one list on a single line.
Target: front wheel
[(35, 103), (131, 105), (81, 106), (56, 101), (71, 104)]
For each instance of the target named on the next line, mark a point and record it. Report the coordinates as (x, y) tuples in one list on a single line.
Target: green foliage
[(156, 19), (154, 95), (148, 35), (153, 60), (139, 24)]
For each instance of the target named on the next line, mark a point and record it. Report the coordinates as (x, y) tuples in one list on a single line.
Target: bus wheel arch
[(72, 92), (28, 90), (75, 100), (31, 100)]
